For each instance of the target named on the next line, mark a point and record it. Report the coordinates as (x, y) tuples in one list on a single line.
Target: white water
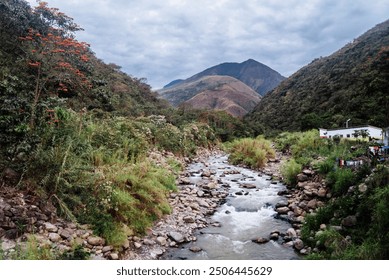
[(242, 218)]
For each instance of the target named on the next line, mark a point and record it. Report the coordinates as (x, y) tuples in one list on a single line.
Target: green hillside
[(351, 84)]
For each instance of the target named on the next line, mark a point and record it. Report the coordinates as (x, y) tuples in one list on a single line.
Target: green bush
[(326, 166), (289, 171), (312, 222), (97, 172), (304, 146), (340, 180), (251, 152)]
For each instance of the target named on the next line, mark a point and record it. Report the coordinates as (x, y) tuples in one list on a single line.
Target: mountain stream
[(248, 213)]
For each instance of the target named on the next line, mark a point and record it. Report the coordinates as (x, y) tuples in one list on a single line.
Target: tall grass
[(289, 171), (340, 180), (96, 171), (251, 152)]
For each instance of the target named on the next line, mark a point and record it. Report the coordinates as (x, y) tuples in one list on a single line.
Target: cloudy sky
[(163, 40)]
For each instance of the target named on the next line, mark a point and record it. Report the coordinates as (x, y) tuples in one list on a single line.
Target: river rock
[(308, 172), (148, 242), (194, 206), (50, 227), (282, 204), (206, 173), (288, 244), (274, 236), (54, 237), (260, 240), (114, 256), (184, 181), (200, 193), (248, 186), (107, 249), (156, 253), (203, 203), (322, 192), (299, 219), (195, 249), (291, 232), (66, 234), (189, 219), (161, 240), (302, 177), (95, 241), (212, 186), (137, 245), (176, 236), (7, 245), (282, 210), (312, 204), (298, 244)]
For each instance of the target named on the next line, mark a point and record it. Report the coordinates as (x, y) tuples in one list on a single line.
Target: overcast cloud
[(163, 40)]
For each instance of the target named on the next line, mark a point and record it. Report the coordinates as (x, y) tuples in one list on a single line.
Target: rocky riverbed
[(192, 206)]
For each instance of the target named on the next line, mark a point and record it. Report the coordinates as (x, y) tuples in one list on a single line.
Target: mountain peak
[(256, 75)]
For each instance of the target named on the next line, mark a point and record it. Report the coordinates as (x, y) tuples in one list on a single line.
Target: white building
[(370, 132), (386, 136)]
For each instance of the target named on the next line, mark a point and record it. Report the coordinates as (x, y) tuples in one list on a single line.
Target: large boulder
[(176, 236)]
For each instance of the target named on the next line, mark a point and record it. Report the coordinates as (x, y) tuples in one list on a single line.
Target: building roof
[(354, 127)]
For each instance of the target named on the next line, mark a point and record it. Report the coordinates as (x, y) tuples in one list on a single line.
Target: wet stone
[(176, 236), (195, 249), (260, 240)]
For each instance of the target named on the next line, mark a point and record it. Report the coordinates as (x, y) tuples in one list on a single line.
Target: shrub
[(326, 166), (98, 173), (340, 180), (313, 221), (32, 250), (251, 152), (289, 171)]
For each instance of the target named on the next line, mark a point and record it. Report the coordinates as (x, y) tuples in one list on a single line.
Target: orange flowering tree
[(57, 61)]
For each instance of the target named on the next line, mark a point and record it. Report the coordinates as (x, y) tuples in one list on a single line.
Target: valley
[(227, 163)]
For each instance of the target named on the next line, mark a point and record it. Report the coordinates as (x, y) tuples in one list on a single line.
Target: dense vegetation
[(77, 132), (253, 153), (361, 194), (349, 84)]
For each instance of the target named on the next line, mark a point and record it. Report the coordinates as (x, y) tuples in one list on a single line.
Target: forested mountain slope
[(351, 84)]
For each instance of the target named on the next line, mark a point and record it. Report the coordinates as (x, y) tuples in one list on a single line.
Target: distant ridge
[(227, 94), (256, 75), (233, 87), (173, 83)]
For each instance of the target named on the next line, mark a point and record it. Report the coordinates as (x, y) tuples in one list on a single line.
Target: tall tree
[(57, 60)]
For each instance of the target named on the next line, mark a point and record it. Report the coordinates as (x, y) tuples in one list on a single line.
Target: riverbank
[(192, 206), (215, 197), (27, 221)]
